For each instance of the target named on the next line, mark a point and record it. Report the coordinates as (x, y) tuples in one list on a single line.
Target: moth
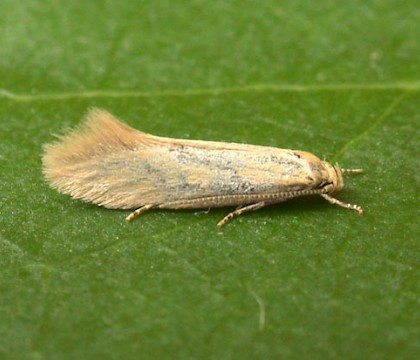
[(108, 163)]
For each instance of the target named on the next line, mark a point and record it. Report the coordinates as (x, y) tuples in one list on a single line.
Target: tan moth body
[(108, 163)]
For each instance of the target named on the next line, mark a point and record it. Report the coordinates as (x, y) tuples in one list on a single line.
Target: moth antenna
[(351, 171)]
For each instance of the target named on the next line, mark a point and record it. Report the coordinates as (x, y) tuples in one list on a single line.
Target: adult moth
[(108, 163)]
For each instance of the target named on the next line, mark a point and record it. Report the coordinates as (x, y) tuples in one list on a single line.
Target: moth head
[(335, 181)]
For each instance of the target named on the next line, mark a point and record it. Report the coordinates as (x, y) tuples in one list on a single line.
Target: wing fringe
[(101, 134)]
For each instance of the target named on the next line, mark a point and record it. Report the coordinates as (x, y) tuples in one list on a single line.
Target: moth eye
[(324, 184)]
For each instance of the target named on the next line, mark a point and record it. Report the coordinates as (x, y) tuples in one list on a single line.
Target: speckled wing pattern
[(108, 163)]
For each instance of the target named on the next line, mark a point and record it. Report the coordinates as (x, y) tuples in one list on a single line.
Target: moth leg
[(342, 204), (242, 210), (138, 211)]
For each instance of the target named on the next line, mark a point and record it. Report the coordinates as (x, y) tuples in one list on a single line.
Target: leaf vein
[(379, 120), (297, 88)]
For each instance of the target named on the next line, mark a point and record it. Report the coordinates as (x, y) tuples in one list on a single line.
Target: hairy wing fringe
[(70, 163), (100, 132)]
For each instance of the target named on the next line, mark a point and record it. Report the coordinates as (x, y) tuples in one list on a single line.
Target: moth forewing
[(108, 163)]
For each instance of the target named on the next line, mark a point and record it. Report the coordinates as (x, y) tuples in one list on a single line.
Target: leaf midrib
[(86, 94)]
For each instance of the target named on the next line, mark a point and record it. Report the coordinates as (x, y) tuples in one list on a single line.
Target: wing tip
[(99, 133)]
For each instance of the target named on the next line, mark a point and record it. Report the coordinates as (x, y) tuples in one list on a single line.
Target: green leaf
[(303, 279)]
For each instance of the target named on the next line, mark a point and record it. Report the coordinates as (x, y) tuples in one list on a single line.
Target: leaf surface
[(303, 279)]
